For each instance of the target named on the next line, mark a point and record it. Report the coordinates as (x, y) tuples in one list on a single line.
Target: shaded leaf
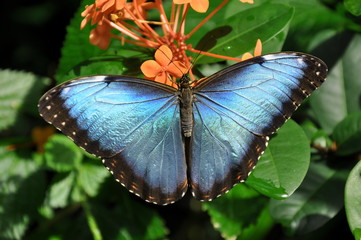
[(341, 93), (316, 201), (313, 20), (128, 220), (239, 213), (353, 6), (283, 166), (347, 134), (353, 200), (61, 154)]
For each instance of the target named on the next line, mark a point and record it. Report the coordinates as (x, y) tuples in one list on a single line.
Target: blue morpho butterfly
[(157, 140)]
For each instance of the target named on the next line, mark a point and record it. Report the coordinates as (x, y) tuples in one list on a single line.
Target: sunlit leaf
[(61, 154), (268, 22), (19, 92), (353, 6), (239, 212), (22, 188), (353, 200), (90, 178), (284, 164), (316, 201)]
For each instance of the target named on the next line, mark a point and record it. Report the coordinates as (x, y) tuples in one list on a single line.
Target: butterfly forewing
[(132, 124), (237, 108)]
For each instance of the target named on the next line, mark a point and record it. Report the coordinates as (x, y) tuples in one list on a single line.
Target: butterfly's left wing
[(132, 124), (236, 109)]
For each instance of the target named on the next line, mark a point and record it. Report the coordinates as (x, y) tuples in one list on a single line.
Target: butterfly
[(158, 141)]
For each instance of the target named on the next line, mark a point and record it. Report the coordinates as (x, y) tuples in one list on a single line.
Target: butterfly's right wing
[(236, 109), (132, 124)]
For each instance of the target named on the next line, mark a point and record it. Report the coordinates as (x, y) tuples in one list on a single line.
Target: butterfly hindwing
[(237, 108), (132, 124)]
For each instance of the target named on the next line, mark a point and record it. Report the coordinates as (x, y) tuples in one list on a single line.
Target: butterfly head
[(184, 81)]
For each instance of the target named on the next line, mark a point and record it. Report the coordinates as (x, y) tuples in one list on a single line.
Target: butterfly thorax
[(186, 108)]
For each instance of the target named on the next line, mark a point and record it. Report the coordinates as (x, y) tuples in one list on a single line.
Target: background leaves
[(56, 191)]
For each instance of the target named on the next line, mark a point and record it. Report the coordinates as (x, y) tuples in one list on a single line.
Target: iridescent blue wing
[(236, 109), (132, 124)]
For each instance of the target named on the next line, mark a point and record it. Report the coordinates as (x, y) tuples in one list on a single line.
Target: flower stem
[(214, 55), (93, 226), (207, 18)]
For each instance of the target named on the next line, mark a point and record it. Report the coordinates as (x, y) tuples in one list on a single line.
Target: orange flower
[(197, 5), (100, 35), (100, 9), (110, 6), (163, 66), (257, 51), (247, 1), (40, 136)]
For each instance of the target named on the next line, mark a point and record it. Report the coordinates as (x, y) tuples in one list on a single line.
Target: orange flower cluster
[(130, 19)]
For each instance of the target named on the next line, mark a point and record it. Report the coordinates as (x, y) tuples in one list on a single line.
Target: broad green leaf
[(268, 22), (312, 19), (61, 154), (19, 92), (347, 134), (316, 201), (90, 178), (77, 48), (128, 219), (353, 6), (80, 58), (353, 200), (22, 188), (283, 166), (340, 94), (238, 213), (60, 189)]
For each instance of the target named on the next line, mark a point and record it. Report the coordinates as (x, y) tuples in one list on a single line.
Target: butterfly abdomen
[(186, 111)]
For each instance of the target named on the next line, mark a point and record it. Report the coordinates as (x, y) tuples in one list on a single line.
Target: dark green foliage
[(305, 186)]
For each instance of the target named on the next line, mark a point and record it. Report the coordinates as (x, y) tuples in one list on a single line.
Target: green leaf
[(22, 188), (19, 92), (239, 213), (313, 20), (76, 47), (341, 93), (128, 219), (80, 58), (353, 200), (268, 22), (347, 134), (61, 154), (353, 6), (316, 201), (91, 177), (60, 189), (283, 166)]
